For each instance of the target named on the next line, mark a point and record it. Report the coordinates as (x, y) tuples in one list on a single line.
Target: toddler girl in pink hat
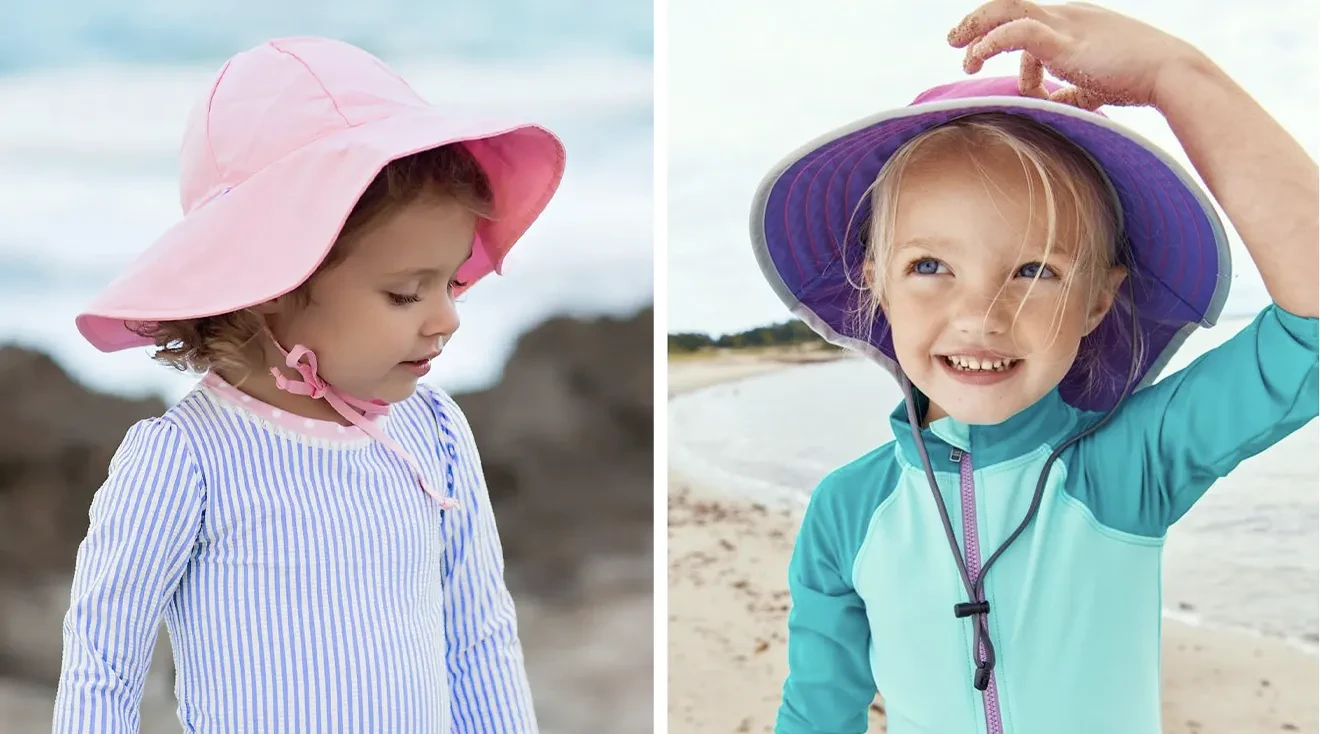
[(311, 522)]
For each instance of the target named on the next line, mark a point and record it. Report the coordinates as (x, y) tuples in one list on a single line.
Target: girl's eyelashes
[(400, 299)]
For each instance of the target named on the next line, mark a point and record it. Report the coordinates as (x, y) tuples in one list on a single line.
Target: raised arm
[(1261, 177)]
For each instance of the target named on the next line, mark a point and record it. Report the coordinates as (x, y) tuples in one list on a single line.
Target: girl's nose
[(982, 310), (443, 321)]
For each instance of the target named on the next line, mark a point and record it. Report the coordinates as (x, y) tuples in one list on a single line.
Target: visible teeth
[(972, 363)]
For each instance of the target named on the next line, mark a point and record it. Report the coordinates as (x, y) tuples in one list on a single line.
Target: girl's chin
[(976, 416), (397, 389), (976, 407)]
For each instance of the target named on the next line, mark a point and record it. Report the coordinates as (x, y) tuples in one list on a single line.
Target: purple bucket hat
[(1180, 270)]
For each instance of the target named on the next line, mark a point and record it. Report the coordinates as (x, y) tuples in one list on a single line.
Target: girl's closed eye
[(400, 299)]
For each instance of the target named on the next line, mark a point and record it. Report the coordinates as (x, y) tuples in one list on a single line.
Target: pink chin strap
[(353, 409)]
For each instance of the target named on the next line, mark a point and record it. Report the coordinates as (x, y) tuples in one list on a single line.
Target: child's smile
[(979, 367)]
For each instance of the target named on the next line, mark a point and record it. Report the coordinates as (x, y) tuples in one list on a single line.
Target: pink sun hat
[(274, 158)]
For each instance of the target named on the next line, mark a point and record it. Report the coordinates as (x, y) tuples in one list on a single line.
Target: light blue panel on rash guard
[(1064, 575), (907, 577)]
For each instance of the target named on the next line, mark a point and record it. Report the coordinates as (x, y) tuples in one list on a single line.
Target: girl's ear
[(1105, 297)]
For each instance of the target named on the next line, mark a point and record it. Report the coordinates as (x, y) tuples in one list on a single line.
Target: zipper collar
[(1048, 421)]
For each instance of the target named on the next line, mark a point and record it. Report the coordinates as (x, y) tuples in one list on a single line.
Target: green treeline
[(789, 332)]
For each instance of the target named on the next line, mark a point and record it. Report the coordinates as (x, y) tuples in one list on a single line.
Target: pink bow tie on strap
[(353, 409)]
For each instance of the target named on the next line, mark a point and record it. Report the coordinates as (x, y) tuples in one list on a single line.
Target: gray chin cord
[(978, 607)]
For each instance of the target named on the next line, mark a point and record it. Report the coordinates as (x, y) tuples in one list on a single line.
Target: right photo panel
[(993, 367)]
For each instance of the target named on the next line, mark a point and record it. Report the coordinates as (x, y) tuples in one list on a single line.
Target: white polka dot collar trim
[(310, 427)]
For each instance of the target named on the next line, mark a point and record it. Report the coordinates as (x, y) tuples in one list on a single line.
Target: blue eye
[(1033, 270), (926, 266)]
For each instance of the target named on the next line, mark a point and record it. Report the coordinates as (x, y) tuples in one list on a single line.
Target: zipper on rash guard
[(972, 556)]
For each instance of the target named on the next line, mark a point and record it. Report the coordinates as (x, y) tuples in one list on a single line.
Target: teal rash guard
[(1074, 601)]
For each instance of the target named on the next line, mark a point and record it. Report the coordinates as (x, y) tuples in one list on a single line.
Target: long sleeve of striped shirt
[(144, 522), (487, 675)]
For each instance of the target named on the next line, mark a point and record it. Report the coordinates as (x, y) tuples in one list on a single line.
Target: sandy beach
[(728, 605)]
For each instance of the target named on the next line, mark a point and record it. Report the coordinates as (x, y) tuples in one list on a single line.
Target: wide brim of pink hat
[(266, 236)]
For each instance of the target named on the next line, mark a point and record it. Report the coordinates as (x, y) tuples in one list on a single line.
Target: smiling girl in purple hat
[(1026, 267)]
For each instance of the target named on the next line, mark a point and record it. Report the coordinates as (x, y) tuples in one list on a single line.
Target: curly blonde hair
[(223, 342)]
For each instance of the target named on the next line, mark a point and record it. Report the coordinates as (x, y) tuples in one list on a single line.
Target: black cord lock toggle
[(982, 678), (968, 608)]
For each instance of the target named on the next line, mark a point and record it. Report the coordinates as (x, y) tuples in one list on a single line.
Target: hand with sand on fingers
[(1108, 58)]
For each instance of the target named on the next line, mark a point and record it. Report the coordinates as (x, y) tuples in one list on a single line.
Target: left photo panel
[(326, 348)]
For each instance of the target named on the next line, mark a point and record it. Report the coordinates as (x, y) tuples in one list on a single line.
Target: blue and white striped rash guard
[(307, 584)]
